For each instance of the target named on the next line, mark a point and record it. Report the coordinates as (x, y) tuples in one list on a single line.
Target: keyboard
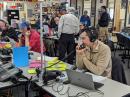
[(6, 66), (6, 75)]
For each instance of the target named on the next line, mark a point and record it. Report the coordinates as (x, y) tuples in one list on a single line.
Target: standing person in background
[(103, 24), (30, 37), (85, 19), (68, 27)]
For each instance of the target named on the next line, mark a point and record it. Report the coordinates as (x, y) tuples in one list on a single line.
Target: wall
[(80, 7), (30, 6), (128, 15), (87, 6), (117, 21), (73, 3)]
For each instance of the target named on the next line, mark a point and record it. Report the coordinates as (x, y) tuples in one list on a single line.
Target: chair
[(121, 39), (127, 46), (118, 73), (127, 95), (50, 46)]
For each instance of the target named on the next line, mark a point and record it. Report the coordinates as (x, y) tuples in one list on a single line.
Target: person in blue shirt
[(85, 19)]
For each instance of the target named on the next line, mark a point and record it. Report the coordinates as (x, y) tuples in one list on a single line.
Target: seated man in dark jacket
[(103, 24), (7, 32)]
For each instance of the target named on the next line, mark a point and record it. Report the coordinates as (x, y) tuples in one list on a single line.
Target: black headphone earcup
[(93, 39), (93, 35)]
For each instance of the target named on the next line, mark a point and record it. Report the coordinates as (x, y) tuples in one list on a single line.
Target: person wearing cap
[(67, 28), (85, 19), (30, 37)]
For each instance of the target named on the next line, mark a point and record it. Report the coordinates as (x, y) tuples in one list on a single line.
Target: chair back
[(118, 73)]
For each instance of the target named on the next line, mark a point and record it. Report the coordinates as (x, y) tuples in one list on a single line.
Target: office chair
[(118, 73)]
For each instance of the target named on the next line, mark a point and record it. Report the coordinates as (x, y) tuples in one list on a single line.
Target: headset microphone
[(82, 46)]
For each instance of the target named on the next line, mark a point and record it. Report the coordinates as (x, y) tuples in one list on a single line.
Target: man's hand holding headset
[(80, 49)]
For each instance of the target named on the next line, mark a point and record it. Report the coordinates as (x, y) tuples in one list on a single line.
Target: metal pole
[(41, 34), (126, 12), (43, 72)]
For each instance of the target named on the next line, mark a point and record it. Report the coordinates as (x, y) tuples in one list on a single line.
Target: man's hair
[(71, 10), (86, 11), (104, 7), (91, 33)]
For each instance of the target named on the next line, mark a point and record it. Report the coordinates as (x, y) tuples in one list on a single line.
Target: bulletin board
[(12, 14)]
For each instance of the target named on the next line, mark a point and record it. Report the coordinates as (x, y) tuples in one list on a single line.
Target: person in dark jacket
[(85, 19), (103, 23), (7, 32)]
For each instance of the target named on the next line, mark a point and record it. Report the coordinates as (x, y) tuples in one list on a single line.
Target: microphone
[(51, 75), (82, 46)]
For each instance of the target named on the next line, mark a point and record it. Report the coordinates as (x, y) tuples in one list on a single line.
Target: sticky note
[(32, 71)]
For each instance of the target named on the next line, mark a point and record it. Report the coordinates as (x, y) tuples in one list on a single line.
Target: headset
[(92, 33)]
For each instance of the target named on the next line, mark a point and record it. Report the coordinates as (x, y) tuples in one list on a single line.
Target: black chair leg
[(114, 51), (128, 64), (128, 59)]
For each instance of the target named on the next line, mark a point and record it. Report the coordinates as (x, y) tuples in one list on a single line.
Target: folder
[(20, 56)]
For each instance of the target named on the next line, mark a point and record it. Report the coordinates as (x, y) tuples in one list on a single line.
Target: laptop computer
[(82, 80)]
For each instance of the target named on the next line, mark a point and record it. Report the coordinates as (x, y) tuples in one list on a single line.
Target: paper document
[(47, 58), (58, 65)]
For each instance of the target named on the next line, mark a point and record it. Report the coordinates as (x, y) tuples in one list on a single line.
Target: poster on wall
[(12, 14)]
